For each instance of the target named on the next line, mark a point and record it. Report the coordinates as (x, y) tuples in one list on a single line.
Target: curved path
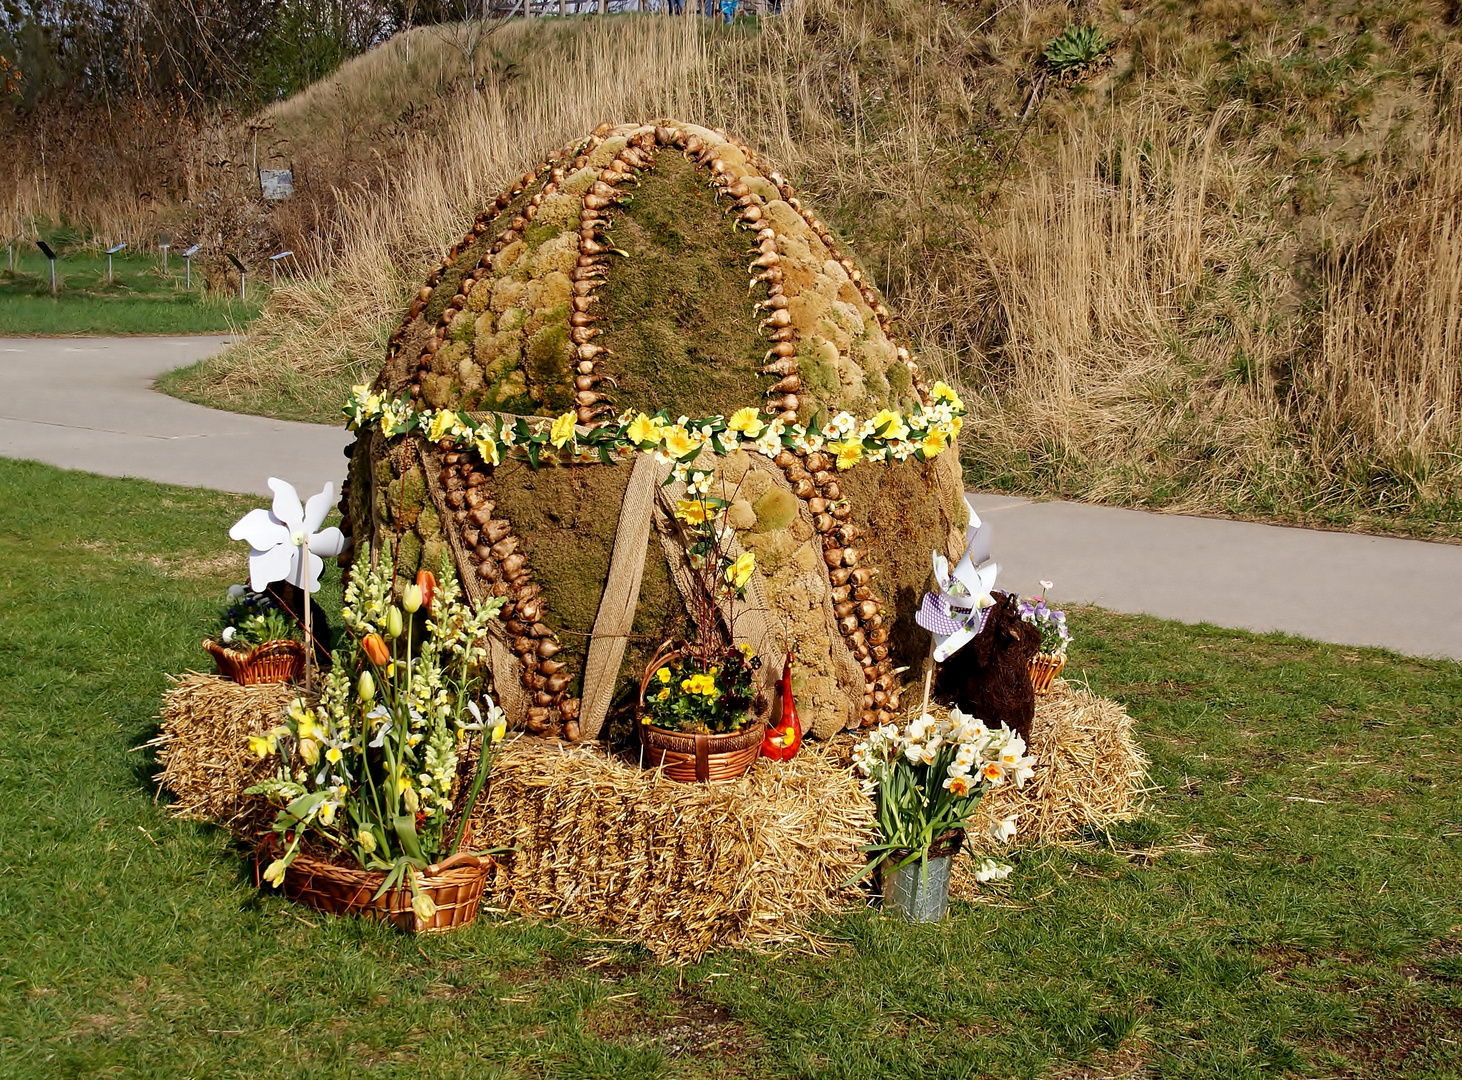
[(87, 403)]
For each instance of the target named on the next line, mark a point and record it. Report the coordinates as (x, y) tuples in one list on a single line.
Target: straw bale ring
[(614, 277)]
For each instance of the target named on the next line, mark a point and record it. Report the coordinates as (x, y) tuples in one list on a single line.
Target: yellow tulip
[(275, 873), (366, 687), (411, 599), (367, 840), (394, 625), (310, 751)]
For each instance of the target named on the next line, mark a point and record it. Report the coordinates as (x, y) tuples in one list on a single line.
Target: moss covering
[(775, 510), (902, 521), (677, 315), (566, 520)]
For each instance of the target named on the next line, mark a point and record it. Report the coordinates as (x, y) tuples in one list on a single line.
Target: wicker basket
[(1044, 668), (271, 662), (697, 758), (455, 885)]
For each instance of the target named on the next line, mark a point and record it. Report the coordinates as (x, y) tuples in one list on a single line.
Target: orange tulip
[(376, 650), (426, 581)]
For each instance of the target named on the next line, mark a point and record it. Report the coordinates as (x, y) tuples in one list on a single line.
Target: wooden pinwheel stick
[(928, 680)]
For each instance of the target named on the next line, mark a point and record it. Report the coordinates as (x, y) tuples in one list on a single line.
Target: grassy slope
[(1156, 288), (139, 300), (1288, 907)]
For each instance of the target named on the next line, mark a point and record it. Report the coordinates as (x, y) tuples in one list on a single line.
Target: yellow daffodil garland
[(922, 433)]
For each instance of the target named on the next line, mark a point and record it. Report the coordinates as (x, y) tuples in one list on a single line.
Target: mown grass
[(139, 299), (1287, 907)]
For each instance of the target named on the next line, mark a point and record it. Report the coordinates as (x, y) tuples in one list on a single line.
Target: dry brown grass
[(1219, 275)]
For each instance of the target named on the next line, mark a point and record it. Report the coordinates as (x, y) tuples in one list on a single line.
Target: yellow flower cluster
[(924, 432)]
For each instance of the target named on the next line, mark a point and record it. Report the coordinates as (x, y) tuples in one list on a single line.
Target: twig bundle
[(203, 747)]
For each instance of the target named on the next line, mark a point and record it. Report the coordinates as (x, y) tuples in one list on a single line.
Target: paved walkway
[(1342, 587), (86, 403)]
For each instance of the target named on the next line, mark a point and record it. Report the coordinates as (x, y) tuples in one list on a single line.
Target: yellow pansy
[(849, 452), (644, 429), (739, 572), (746, 421), (562, 430), (487, 447), (692, 511), (663, 674)]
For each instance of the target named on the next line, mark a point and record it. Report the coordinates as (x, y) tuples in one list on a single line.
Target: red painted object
[(785, 739)]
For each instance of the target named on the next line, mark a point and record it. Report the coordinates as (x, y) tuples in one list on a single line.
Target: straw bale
[(681, 868), (203, 748), (1090, 774)]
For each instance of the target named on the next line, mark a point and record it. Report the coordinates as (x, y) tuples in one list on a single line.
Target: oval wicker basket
[(1044, 668), (696, 758), (271, 662), (455, 885)]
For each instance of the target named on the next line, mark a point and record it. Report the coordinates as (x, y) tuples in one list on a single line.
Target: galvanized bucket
[(919, 891)]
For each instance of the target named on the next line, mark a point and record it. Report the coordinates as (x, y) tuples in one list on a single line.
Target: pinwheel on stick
[(287, 544), (956, 609)]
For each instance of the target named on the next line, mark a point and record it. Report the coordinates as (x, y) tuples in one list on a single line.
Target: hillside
[(1219, 270)]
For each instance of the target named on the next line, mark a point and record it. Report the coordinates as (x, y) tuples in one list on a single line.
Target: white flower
[(1003, 831), (990, 870), (228, 634), (286, 542), (236, 591)]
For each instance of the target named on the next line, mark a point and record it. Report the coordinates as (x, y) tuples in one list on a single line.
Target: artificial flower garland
[(923, 433)]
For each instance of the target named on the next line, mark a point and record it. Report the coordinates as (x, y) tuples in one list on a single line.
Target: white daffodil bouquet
[(926, 780), (367, 774)]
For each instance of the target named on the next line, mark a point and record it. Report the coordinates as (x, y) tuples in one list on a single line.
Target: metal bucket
[(920, 891)]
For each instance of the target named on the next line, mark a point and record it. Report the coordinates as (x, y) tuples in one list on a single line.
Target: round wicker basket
[(271, 662), (696, 758), (1044, 668), (455, 885)]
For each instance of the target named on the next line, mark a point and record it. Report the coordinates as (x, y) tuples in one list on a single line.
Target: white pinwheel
[(286, 542), (953, 611)]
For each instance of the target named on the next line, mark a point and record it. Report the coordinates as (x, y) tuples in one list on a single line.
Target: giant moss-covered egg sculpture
[(661, 270)]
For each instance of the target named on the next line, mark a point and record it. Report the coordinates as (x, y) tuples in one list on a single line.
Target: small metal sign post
[(188, 265), (110, 252), (243, 276), (48, 253), (274, 266), (165, 241)]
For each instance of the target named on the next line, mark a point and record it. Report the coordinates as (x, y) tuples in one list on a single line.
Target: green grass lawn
[(140, 298), (1288, 907)]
